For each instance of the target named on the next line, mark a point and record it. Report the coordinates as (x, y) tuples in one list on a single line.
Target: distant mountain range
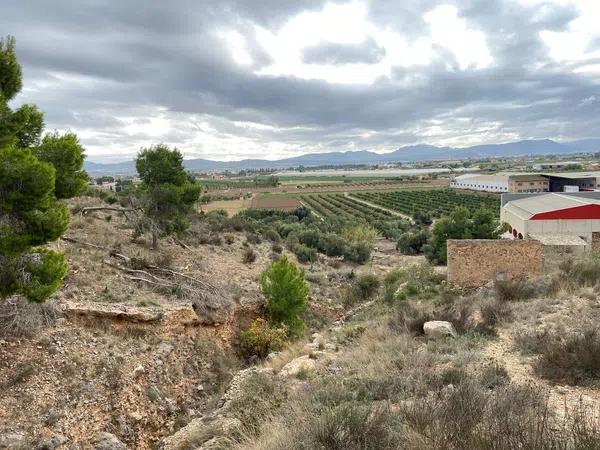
[(404, 154)]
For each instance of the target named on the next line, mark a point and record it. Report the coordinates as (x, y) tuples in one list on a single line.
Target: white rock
[(138, 371), (295, 366), (439, 328)]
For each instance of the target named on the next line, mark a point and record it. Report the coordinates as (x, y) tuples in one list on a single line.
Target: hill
[(403, 154)]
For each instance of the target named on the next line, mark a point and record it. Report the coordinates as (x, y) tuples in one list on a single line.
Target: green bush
[(304, 254), (310, 238), (412, 242), (272, 235), (262, 338), (332, 244), (368, 285), (286, 292), (359, 253)]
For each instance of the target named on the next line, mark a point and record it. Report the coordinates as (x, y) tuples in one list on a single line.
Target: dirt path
[(376, 206)]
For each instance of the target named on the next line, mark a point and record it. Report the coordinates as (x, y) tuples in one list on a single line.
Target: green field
[(435, 202)]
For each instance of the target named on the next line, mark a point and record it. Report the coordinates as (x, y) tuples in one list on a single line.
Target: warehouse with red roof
[(553, 214)]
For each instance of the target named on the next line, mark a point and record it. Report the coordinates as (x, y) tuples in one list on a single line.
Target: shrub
[(367, 285), (332, 244), (494, 311), (575, 359), (276, 248), (412, 242), (272, 235), (249, 255), (422, 218), (304, 254), (18, 317), (229, 238), (357, 253), (310, 238), (584, 271), (261, 338), (286, 292), (514, 289), (252, 238)]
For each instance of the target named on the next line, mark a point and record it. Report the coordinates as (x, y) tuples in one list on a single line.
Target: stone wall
[(475, 262)]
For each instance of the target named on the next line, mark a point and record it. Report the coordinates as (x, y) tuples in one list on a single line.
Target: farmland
[(436, 202)]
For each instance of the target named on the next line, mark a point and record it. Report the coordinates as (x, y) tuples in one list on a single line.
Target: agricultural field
[(436, 202)]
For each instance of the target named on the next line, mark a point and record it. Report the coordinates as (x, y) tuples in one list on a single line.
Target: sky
[(235, 79)]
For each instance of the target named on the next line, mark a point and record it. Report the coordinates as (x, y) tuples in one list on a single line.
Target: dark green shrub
[(304, 254), (357, 253), (310, 238), (332, 244), (368, 285), (412, 242), (272, 235)]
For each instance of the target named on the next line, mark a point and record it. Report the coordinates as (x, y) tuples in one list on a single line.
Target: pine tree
[(168, 191), (30, 215), (286, 291)]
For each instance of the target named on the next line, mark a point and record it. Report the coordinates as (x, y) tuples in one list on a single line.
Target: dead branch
[(182, 244), (88, 209), (77, 241), (204, 284), (154, 283)]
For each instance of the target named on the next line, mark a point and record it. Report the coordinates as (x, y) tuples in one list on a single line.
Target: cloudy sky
[(234, 79)]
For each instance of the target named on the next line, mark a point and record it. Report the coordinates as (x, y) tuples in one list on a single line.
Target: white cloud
[(573, 44), (452, 32)]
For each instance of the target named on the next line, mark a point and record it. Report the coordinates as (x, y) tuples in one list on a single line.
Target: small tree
[(66, 154), (169, 192), (287, 294)]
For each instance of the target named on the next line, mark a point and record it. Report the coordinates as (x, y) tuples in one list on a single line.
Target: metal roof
[(529, 206), (558, 239), (572, 175)]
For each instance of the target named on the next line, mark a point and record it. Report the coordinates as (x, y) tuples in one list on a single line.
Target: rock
[(107, 441), (12, 441), (164, 350), (295, 366), (439, 328), (138, 371)]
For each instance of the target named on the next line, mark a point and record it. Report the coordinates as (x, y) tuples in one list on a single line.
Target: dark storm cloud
[(90, 64), (367, 52)]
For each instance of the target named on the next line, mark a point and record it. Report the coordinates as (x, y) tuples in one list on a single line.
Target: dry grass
[(18, 317)]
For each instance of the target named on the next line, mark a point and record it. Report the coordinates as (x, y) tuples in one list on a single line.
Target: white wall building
[(481, 182)]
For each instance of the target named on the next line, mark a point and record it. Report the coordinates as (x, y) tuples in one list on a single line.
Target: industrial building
[(551, 215), (529, 182), (502, 182)]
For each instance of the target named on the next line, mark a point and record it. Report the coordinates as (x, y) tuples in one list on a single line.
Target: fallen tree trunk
[(88, 209)]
